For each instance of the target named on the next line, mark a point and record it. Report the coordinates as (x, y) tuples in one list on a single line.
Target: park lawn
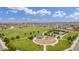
[(24, 45), (20, 32), (63, 43), (71, 33)]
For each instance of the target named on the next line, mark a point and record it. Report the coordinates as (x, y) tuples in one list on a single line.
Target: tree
[(12, 38), (31, 37), (24, 33), (17, 37), (58, 37), (30, 33), (75, 36), (2, 35), (34, 35), (33, 32), (6, 40), (38, 31), (45, 33), (69, 38)]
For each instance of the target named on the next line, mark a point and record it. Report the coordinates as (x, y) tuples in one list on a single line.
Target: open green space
[(21, 38), (23, 32), (24, 45), (65, 42)]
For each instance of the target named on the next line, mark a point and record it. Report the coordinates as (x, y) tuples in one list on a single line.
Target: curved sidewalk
[(44, 45)]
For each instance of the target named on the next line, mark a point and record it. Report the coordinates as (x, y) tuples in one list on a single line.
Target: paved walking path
[(76, 47), (2, 45), (44, 45), (44, 49)]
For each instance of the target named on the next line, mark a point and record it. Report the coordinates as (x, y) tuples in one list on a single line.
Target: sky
[(39, 14)]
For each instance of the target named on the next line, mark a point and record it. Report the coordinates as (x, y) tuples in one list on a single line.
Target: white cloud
[(43, 12), (75, 15), (30, 11), (59, 14)]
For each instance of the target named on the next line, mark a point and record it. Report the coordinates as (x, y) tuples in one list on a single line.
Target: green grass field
[(63, 43), (20, 31), (23, 43)]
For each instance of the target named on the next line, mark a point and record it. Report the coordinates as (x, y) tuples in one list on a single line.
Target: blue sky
[(39, 14)]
